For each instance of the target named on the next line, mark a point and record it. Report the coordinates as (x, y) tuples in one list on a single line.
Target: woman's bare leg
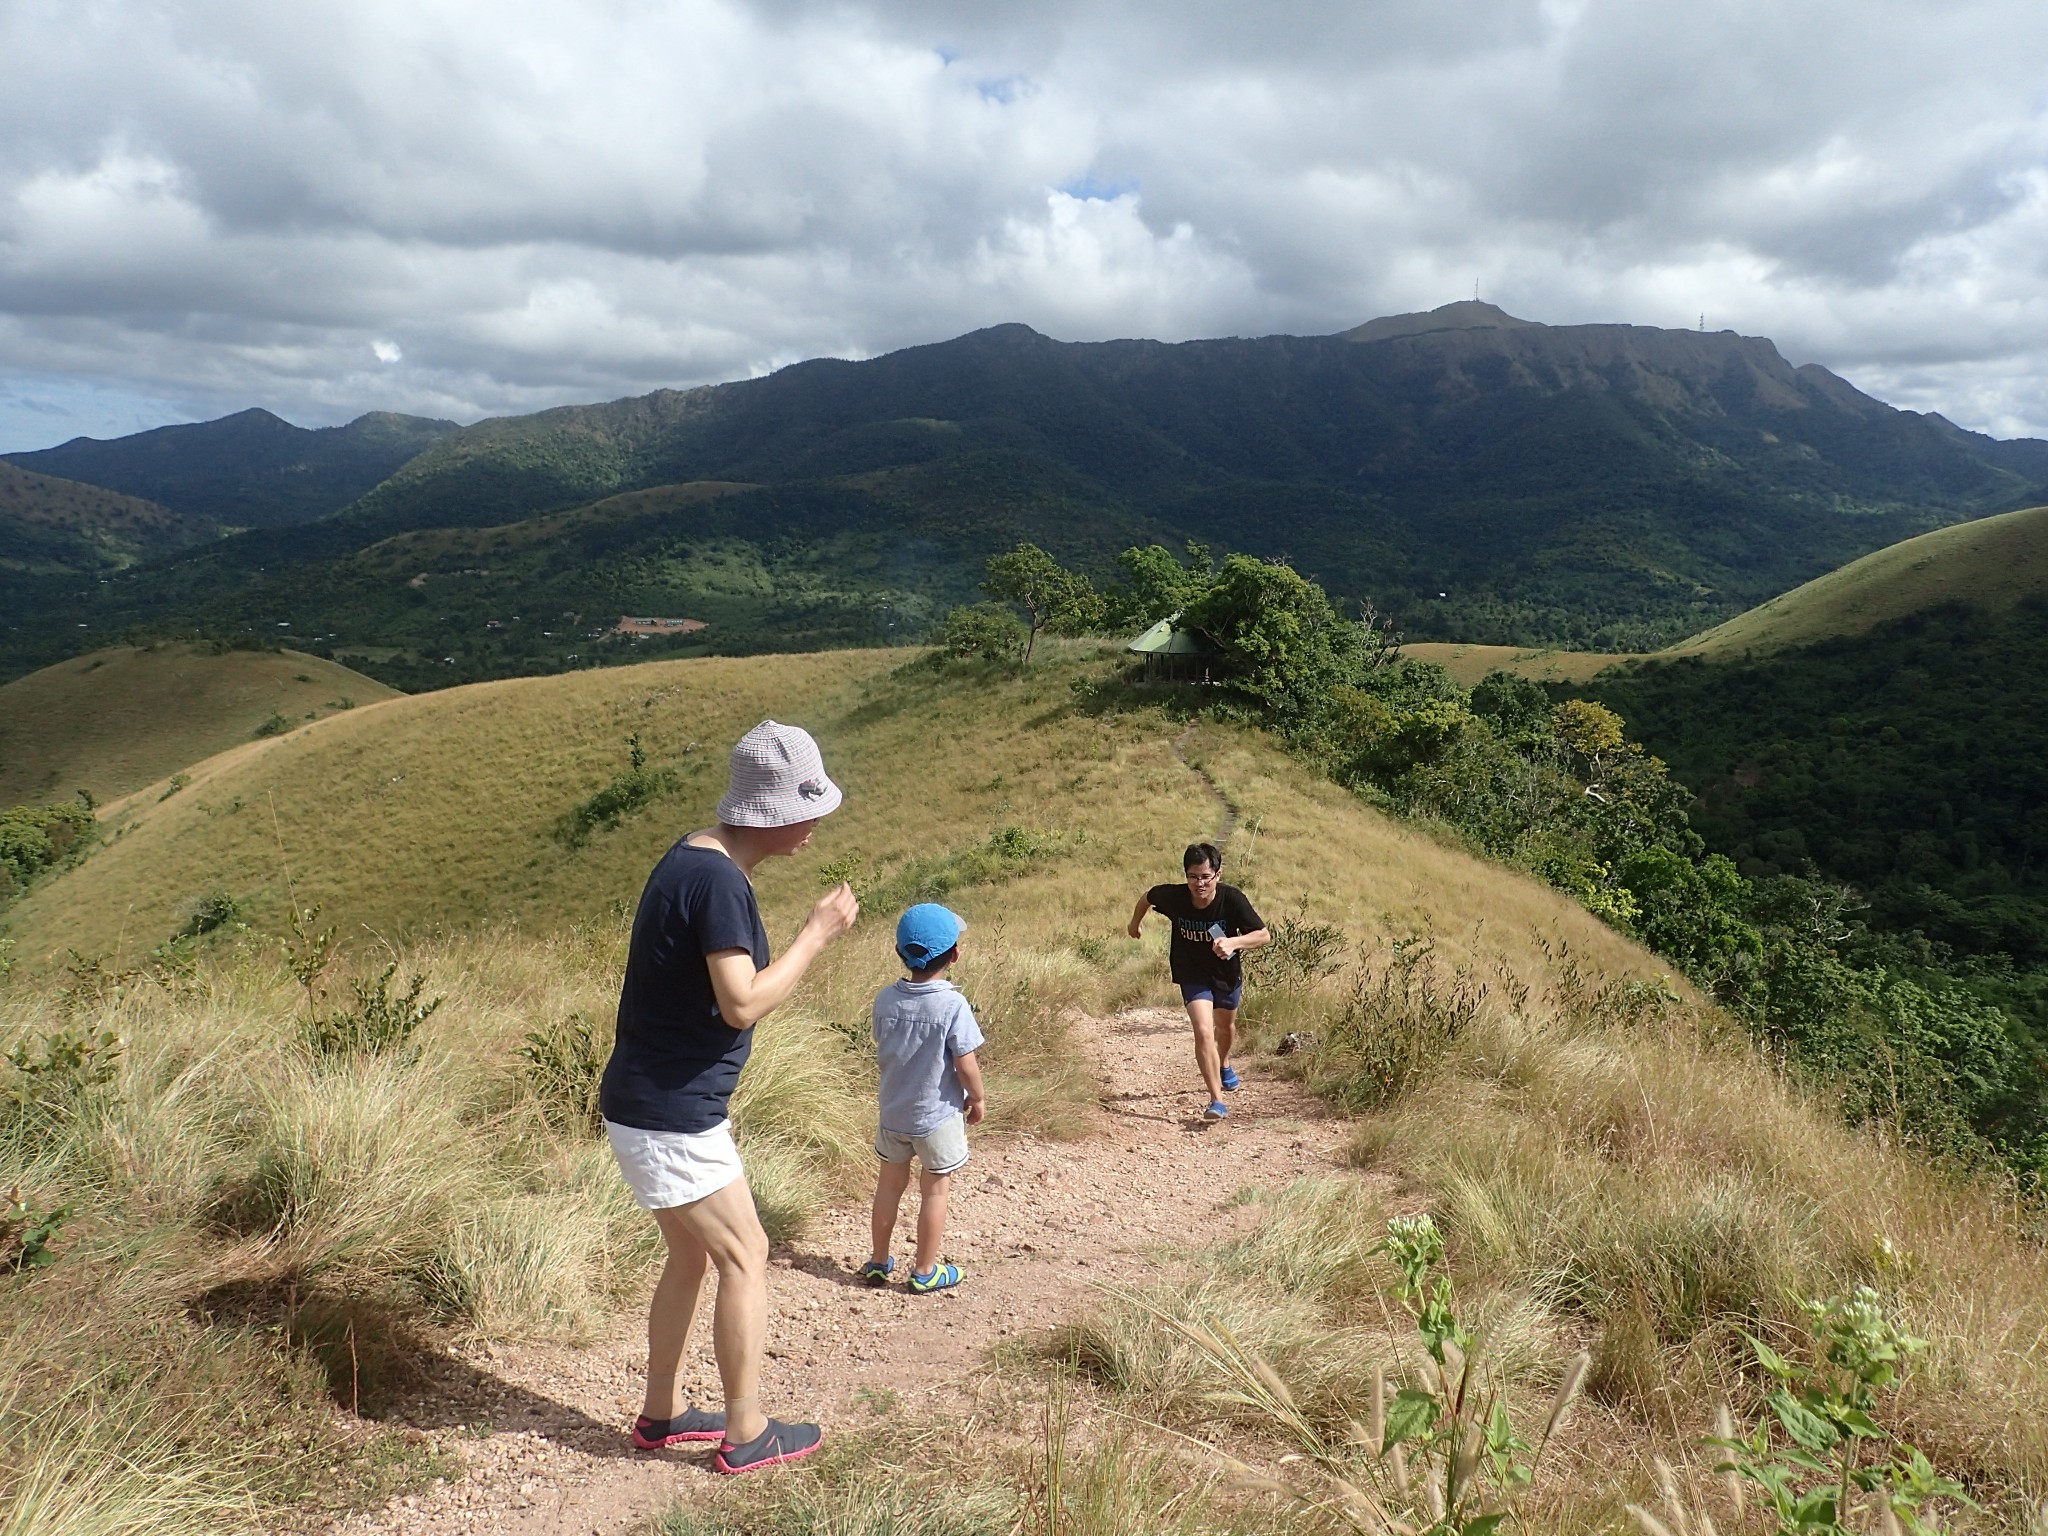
[(669, 1316), (728, 1229)]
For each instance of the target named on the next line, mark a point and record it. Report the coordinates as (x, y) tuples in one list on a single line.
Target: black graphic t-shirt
[(1191, 959), (676, 1059)]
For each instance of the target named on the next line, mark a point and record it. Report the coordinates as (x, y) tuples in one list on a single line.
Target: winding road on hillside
[(541, 1429)]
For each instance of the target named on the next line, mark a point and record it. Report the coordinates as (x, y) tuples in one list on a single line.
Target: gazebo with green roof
[(1165, 645)]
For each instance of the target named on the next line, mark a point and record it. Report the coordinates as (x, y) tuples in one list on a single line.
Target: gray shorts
[(942, 1149)]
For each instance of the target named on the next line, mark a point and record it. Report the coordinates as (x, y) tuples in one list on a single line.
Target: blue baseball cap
[(926, 932)]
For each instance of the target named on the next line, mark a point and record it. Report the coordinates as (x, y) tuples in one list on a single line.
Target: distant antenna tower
[(1703, 322), (1475, 290)]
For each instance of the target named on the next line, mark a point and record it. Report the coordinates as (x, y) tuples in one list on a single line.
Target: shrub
[(275, 725), (637, 787), (1399, 1019), (986, 631), (562, 1065), (379, 1024), (52, 1080)]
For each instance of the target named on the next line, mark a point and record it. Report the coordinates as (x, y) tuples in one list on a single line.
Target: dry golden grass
[(117, 720), (1469, 663)]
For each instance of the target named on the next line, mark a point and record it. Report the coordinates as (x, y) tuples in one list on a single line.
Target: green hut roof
[(1162, 639)]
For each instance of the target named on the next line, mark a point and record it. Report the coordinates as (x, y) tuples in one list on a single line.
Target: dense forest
[(1909, 764)]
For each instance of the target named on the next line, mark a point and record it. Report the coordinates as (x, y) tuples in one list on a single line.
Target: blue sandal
[(1230, 1078), (1218, 1110), (878, 1271)]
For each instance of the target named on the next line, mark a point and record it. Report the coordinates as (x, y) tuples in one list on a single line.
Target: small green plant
[(25, 1239), (92, 982), (562, 1065), (308, 951), (379, 1024), (637, 787), (1833, 1449), (52, 1077), (178, 782), (276, 725), (851, 870)]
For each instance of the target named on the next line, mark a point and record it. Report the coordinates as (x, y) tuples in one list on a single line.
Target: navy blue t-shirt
[(675, 1061)]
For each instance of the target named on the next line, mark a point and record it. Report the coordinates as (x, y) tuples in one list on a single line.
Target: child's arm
[(1137, 928), (970, 1079)]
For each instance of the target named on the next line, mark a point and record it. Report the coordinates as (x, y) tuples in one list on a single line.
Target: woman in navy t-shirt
[(698, 978)]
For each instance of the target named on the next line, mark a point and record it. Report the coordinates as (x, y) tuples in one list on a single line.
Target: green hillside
[(51, 526), (249, 470), (1484, 479), (1991, 563), (118, 719)]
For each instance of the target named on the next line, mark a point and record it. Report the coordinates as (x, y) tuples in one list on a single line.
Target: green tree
[(1282, 647), (1153, 584), (1051, 596)]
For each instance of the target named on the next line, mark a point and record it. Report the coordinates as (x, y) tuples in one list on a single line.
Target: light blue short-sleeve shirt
[(920, 1028)]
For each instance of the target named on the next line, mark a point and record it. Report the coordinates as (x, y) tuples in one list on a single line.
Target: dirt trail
[(541, 1429)]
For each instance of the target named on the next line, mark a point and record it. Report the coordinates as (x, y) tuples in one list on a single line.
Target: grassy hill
[(1469, 663), (1991, 563), (442, 811), (116, 720), (1614, 1168)]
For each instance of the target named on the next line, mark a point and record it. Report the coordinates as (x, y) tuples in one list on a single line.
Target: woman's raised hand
[(835, 912)]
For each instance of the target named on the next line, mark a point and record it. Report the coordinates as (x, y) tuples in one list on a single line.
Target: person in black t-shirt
[(1213, 925), (698, 979)]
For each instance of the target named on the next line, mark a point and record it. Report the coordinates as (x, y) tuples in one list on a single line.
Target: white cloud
[(206, 204)]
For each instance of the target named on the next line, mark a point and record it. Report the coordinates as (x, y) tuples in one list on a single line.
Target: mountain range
[(1482, 477)]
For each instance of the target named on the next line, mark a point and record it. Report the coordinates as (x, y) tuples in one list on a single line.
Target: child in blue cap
[(925, 1040)]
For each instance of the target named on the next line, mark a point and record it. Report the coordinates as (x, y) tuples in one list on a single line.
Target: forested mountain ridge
[(1481, 477), (49, 524), (248, 470)]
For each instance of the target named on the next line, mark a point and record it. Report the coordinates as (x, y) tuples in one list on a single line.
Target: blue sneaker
[(940, 1277), (877, 1271), (1230, 1078), (1217, 1111)]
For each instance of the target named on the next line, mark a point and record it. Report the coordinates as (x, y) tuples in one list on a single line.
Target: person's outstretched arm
[(747, 996), (1137, 927)]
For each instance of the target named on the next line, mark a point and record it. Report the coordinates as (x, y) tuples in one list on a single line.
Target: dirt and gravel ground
[(541, 1429)]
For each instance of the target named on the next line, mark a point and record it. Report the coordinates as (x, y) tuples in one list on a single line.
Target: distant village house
[(640, 629)]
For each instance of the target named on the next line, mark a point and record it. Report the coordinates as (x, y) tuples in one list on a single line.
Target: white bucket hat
[(778, 778)]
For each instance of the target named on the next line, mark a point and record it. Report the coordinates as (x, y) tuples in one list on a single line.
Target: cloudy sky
[(463, 208)]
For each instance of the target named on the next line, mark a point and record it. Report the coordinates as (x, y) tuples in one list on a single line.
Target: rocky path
[(540, 1429)]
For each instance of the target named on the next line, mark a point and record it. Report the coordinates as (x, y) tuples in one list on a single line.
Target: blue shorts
[(1191, 991)]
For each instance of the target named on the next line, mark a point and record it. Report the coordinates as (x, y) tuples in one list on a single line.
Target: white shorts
[(668, 1168)]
